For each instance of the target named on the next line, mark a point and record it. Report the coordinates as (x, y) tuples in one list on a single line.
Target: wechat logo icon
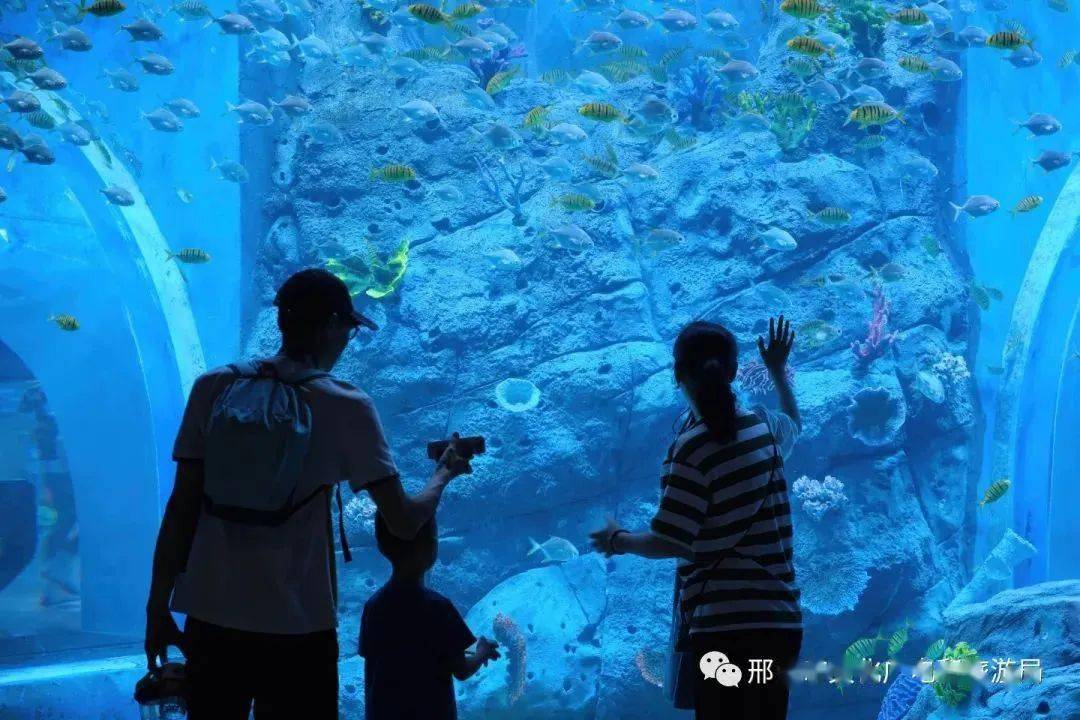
[(716, 666)]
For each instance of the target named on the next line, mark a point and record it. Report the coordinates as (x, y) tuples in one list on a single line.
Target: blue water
[(531, 200)]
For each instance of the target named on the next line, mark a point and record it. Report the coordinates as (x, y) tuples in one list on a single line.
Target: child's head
[(417, 554)]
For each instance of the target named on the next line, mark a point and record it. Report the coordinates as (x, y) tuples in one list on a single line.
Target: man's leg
[(218, 660), (301, 679)]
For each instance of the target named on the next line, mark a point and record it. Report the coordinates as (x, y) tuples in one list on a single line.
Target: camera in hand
[(466, 447)]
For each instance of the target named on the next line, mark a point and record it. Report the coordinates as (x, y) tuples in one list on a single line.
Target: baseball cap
[(315, 294)]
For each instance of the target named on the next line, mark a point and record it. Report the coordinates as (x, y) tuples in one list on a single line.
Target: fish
[(876, 113), (659, 239), (500, 81), (23, 48), (322, 133), (394, 172), (1050, 160), (802, 66), (122, 80), (889, 272), (233, 24), (567, 134), (871, 68), (568, 237), (65, 322), (10, 138), (230, 170), (936, 650), (865, 95), (738, 71), (776, 238), (600, 41), (189, 10), (815, 333), (185, 196), (973, 36), (467, 10), (914, 64), (554, 550), (118, 196), (982, 295), (677, 20), (36, 151), (898, 640), (1027, 204), (419, 111), (1007, 40), (313, 47), (995, 492), (478, 98), (911, 16), (183, 107), (809, 46), (574, 202), (75, 134), (557, 168), (1040, 124), (20, 101), (722, 20), (73, 39), (267, 11), (931, 246), (632, 19), (536, 118), (832, 215), (1067, 58), (502, 137), (975, 206), (189, 256), (679, 141), (557, 76), (41, 120), (428, 14), (143, 30), (945, 70), (251, 112), (101, 8), (449, 193), (591, 82), (473, 47), (163, 119), (860, 651), (640, 172), (599, 111), (822, 92), (1024, 57), (804, 9)]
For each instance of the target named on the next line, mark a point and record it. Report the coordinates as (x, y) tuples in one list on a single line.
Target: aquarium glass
[(531, 198)]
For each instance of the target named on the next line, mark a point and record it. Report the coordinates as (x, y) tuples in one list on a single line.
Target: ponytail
[(706, 361)]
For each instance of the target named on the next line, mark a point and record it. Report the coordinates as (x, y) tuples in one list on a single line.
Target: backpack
[(257, 440)]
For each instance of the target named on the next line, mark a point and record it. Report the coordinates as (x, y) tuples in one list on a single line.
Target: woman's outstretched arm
[(615, 540)]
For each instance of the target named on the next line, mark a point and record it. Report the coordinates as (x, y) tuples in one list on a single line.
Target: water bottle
[(162, 693)]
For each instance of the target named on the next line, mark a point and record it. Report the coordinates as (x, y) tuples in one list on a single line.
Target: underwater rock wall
[(501, 283)]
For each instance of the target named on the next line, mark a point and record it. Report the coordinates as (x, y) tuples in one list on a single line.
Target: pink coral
[(878, 340), (511, 638)]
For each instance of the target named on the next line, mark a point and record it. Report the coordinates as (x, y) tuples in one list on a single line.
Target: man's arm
[(405, 515), (177, 531)]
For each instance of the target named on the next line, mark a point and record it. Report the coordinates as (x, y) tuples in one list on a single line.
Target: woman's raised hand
[(775, 355)]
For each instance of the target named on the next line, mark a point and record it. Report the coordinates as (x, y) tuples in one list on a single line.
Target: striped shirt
[(728, 504)]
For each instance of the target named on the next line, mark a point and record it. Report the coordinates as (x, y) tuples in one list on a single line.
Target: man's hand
[(486, 650), (453, 463), (161, 632), (601, 539), (775, 355)]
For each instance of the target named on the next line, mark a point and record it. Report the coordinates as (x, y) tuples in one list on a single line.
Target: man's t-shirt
[(279, 579), (409, 639)]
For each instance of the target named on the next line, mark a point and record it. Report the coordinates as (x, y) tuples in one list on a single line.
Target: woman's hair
[(706, 361)]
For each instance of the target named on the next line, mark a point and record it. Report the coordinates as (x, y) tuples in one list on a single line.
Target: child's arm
[(774, 356), (466, 665)]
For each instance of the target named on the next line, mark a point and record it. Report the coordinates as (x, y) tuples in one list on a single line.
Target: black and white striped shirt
[(728, 503)]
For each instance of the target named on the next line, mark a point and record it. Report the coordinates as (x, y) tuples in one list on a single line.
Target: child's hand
[(487, 649)]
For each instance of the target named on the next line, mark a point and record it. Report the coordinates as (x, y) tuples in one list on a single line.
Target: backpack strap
[(345, 552)]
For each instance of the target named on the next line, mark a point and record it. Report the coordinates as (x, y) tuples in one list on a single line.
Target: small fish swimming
[(568, 237), (659, 239), (809, 46), (945, 70), (143, 30), (1024, 57), (118, 196), (67, 323), (876, 113), (832, 215), (186, 196), (22, 102), (393, 173), (23, 48), (975, 206), (122, 80), (230, 170), (251, 112), (914, 64), (558, 168), (912, 17), (778, 239), (599, 111), (419, 111), (554, 550), (189, 256), (1027, 204), (163, 119), (1050, 160), (101, 8), (1040, 124), (73, 39), (1007, 40), (600, 41), (676, 20), (738, 71), (803, 9), (722, 20), (233, 24), (574, 202), (182, 107), (995, 492), (567, 134)]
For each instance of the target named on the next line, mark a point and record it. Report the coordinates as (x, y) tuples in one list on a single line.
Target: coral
[(952, 370), (878, 341), (876, 415), (818, 496), (955, 681), (650, 664), (900, 697), (369, 275), (517, 395), (995, 571), (696, 92), (791, 117), (511, 197), (755, 379), (863, 22), (512, 640), (359, 516), (497, 62)]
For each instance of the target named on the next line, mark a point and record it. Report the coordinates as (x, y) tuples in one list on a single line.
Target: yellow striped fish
[(500, 80), (536, 118), (467, 10), (65, 322), (874, 113), (191, 256), (911, 16), (1027, 204), (599, 111), (803, 9), (832, 215), (914, 64), (997, 489), (393, 173), (1007, 40), (421, 11), (1067, 59), (558, 76), (806, 45), (574, 202), (101, 8)]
